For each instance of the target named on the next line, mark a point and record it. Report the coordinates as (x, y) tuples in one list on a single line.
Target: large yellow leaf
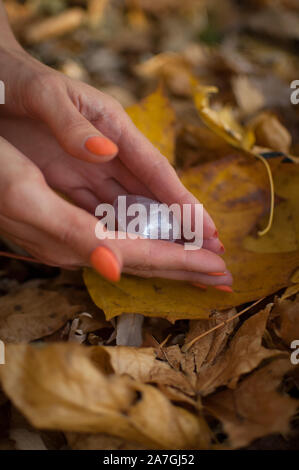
[(155, 118), (150, 297), (233, 191)]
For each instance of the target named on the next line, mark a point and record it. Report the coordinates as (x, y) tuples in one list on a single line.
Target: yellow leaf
[(292, 290), (233, 191), (269, 132), (221, 121), (150, 297), (155, 118), (295, 276)]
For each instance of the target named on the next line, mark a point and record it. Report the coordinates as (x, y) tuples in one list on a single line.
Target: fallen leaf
[(269, 132), (155, 118), (173, 68), (57, 25), (206, 350), (143, 365), (245, 352), (33, 312), (249, 98), (74, 388), (149, 297), (233, 191), (256, 407), (287, 312), (221, 121)]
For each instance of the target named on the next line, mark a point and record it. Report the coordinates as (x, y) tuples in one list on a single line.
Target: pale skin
[(44, 126)]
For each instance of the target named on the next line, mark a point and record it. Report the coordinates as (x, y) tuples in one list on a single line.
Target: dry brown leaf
[(142, 365), (288, 313), (207, 349), (96, 11), (34, 312), (244, 354), (73, 388), (19, 14), (51, 27), (269, 132), (255, 408), (173, 68), (249, 98)]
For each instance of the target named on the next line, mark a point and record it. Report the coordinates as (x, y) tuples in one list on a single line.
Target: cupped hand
[(81, 122)]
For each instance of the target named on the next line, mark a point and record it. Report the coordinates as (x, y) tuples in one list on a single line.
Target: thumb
[(76, 135)]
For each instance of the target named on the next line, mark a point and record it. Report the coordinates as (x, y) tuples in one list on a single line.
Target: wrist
[(18, 71)]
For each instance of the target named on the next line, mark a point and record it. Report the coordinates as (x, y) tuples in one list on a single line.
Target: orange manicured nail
[(217, 274), (224, 288), (196, 284), (101, 146), (105, 263)]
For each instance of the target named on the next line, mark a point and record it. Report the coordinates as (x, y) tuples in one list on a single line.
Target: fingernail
[(217, 274), (196, 284), (105, 263), (101, 146), (215, 235), (221, 249), (224, 288)]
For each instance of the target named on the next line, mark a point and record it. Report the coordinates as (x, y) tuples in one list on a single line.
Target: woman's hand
[(58, 233), (80, 121), (93, 127)]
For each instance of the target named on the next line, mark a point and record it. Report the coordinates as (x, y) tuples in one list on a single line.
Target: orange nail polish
[(224, 288), (101, 146), (105, 263), (196, 284), (222, 249), (217, 274), (215, 235)]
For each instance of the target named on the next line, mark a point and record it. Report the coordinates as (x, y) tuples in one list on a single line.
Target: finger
[(132, 184), (110, 191), (145, 254), (76, 134), (83, 198), (205, 279), (154, 170), (214, 244)]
